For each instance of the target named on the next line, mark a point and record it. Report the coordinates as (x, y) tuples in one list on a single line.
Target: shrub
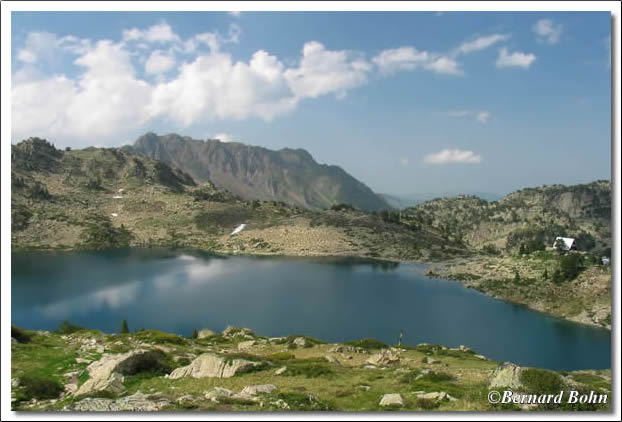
[(410, 376), (101, 234), (309, 370), (159, 337), (427, 404), (39, 387), (20, 335), (306, 402), (541, 381), (342, 207), (367, 343), (491, 249), (67, 327)]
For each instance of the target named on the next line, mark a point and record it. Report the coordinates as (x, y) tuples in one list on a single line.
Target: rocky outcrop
[(243, 345), (384, 358), (217, 393), (213, 366), (205, 333), (253, 390), (392, 400), (234, 332), (107, 373), (506, 375), (300, 341), (135, 403)]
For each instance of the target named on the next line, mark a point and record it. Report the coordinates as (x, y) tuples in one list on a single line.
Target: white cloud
[(223, 137), (105, 98), (450, 156), (481, 116), (409, 58), (46, 46), (159, 62), (398, 59), (26, 56), (516, 59), (547, 31), (323, 71), (215, 87), (157, 33), (444, 64), (480, 43)]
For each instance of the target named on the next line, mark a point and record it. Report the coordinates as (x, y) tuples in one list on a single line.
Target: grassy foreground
[(317, 376)]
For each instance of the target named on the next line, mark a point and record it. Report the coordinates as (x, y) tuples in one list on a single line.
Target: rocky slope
[(288, 175), (529, 215), (97, 198), (237, 370)]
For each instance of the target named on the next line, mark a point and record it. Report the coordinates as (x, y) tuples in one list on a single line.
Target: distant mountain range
[(405, 201), (250, 172)]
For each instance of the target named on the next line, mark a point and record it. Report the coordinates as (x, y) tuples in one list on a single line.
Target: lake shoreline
[(427, 271)]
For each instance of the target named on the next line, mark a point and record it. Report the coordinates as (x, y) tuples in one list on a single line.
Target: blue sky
[(407, 102)]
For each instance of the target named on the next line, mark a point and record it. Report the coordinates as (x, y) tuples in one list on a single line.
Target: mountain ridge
[(257, 173)]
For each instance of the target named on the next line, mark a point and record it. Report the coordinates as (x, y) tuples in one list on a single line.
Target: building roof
[(568, 242)]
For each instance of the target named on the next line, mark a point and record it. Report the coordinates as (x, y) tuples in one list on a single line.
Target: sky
[(407, 102)]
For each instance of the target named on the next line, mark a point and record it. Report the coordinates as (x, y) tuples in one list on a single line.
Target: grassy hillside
[(49, 371)]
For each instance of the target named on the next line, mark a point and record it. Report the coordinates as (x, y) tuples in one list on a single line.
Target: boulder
[(392, 400), (107, 373), (300, 341), (213, 366), (506, 375), (385, 357), (482, 357), (430, 360), (135, 403), (436, 396), (218, 392), (14, 341), (246, 344), (463, 348), (280, 371), (205, 333), (253, 390)]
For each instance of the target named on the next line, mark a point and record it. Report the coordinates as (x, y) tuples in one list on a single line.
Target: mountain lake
[(333, 299)]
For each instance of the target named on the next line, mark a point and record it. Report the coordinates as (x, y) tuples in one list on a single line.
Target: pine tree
[(124, 328), (195, 333)]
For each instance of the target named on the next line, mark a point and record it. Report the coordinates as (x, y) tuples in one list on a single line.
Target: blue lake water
[(332, 299)]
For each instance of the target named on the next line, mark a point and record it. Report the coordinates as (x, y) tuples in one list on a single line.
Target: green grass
[(309, 369), (159, 337)]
